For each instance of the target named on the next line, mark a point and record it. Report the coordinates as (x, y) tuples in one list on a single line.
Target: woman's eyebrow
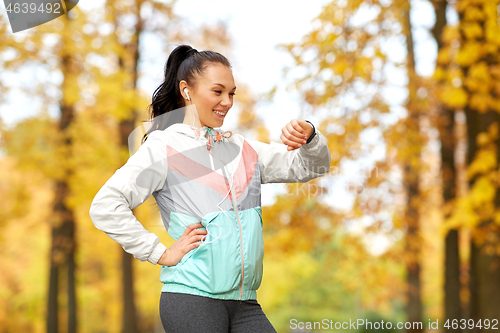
[(223, 87)]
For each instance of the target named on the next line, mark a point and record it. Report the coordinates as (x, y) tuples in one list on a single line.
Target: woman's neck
[(191, 117)]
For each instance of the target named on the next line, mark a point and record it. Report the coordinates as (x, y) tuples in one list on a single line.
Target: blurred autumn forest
[(432, 192)]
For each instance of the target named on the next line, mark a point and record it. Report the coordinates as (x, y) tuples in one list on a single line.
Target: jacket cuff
[(157, 253)]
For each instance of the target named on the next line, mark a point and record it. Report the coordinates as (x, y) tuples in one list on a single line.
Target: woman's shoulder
[(157, 135), (165, 133)]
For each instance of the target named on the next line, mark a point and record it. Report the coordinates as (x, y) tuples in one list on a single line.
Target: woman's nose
[(226, 101)]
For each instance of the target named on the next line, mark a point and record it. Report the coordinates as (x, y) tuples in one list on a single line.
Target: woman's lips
[(220, 115)]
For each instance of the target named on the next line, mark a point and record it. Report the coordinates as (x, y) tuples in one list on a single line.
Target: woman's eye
[(220, 92)]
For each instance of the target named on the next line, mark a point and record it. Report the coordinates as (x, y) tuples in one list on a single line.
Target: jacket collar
[(187, 130)]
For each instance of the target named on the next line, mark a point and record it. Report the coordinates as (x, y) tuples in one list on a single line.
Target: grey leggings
[(190, 313)]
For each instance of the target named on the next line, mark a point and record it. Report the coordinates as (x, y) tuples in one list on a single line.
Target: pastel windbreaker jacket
[(222, 190)]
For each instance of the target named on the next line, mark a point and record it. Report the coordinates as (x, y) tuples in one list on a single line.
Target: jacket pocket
[(178, 224), (215, 266)]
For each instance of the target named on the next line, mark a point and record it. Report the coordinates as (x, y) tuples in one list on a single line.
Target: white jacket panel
[(111, 209)]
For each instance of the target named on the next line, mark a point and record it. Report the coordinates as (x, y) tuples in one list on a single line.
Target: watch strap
[(313, 133)]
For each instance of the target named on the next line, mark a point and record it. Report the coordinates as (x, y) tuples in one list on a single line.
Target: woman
[(207, 185)]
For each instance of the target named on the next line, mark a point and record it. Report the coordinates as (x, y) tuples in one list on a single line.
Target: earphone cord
[(191, 107), (218, 205)]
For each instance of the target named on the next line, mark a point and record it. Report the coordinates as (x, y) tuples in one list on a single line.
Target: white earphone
[(186, 91)]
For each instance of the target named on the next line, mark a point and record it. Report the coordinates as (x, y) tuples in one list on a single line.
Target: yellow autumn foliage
[(470, 53), (450, 33), (439, 74), (473, 14), (463, 215), (484, 161), (444, 55), (453, 97), (482, 192), (479, 78), (480, 102), (472, 30)]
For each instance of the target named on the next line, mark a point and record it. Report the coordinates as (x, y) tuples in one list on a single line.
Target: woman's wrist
[(313, 132), (164, 258)]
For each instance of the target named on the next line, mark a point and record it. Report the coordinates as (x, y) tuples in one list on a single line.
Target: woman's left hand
[(296, 133)]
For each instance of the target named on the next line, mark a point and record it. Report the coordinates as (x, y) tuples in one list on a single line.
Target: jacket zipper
[(241, 242), (241, 235)]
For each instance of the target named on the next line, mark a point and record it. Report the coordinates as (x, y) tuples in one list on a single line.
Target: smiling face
[(212, 94)]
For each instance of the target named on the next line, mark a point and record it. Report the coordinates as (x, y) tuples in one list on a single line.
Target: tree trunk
[(484, 284), (52, 321), (412, 251), (452, 305), (71, 270), (129, 308), (63, 226), (473, 305), (411, 178), (484, 302), (62, 261), (130, 322)]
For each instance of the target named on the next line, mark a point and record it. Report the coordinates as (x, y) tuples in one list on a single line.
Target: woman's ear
[(183, 85)]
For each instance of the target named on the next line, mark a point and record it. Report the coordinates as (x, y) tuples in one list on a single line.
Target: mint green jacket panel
[(215, 268)]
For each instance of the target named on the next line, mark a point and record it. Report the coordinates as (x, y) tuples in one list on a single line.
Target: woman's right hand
[(189, 240)]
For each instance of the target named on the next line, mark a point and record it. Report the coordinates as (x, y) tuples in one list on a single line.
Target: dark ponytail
[(184, 63)]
